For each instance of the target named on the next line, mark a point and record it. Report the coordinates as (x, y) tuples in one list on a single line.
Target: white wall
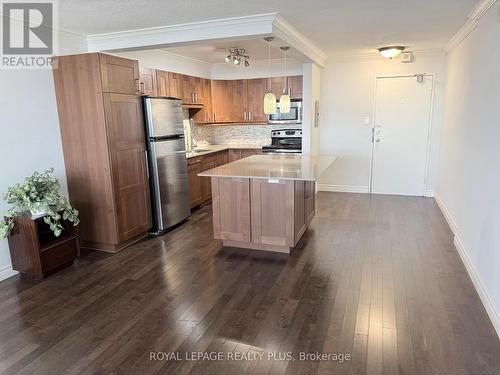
[(311, 93), (468, 186), (347, 93), (30, 139), (156, 59)]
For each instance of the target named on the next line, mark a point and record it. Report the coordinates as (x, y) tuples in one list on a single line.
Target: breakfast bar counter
[(265, 202)]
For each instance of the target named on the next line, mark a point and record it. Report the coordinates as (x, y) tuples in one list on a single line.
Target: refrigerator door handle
[(147, 163)]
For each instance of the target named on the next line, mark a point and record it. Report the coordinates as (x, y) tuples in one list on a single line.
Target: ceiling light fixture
[(236, 55), (390, 52), (285, 97), (269, 98)]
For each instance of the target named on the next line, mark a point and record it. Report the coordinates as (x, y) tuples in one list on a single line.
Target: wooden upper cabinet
[(207, 99), (161, 82), (277, 85), (124, 123), (221, 100), (148, 82), (204, 115), (256, 89), (238, 100), (192, 90), (188, 88), (119, 75), (169, 84), (174, 85), (295, 86)]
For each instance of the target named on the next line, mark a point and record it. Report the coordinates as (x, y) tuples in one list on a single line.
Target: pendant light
[(285, 97), (269, 98)]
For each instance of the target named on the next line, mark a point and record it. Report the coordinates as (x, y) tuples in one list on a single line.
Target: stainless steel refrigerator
[(168, 174)]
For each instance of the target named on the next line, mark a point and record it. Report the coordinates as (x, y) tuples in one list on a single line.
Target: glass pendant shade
[(391, 52), (285, 103), (269, 103)]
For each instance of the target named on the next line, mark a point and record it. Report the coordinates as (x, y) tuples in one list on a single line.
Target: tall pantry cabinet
[(102, 131)]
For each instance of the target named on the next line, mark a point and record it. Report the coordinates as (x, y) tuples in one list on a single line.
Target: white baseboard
[(446, 213), (471, 269), (480, 289), (343, 188), (6, 272)]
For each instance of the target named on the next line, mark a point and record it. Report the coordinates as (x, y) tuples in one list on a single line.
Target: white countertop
[(285, 167), (208, 149)]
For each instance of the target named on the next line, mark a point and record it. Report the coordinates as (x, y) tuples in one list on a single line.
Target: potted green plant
[(40, 195)]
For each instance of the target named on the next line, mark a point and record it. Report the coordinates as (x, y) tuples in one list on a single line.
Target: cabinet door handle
[(244, 116), (215, 117), (137, 85), (250, 116)]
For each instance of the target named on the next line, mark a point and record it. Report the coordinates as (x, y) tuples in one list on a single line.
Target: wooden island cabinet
[(265, 202)]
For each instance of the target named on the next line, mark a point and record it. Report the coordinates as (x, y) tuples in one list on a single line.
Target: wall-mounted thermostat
[(407, 57)]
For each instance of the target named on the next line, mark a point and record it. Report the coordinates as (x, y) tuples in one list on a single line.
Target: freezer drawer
[(169, 183)]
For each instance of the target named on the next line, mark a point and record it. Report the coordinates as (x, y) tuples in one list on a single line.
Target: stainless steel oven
[(293, 117)]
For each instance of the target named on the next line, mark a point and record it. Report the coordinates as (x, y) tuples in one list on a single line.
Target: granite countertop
[(285, 167), (209, 149)]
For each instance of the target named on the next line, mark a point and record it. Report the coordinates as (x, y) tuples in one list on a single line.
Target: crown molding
[(255, 26), (234, 27), (289, 34), (472, 21)]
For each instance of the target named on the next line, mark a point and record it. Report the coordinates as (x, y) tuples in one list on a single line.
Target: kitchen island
[(265, 202)]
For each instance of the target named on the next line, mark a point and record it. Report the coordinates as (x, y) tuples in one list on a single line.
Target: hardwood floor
[(377, 278)]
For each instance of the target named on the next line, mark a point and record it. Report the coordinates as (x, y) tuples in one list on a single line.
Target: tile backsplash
[(258, 135)]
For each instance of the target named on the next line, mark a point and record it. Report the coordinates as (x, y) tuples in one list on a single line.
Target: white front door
[(401, 135)]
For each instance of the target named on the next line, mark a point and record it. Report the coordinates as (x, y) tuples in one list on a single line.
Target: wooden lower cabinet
[(195, 191), (240, 153), (262, 215), (200, 188)]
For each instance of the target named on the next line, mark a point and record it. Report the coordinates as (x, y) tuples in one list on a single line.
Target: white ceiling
[(215, 53), (338, 27)]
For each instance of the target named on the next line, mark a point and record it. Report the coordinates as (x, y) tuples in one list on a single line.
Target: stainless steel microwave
[(293, 117)]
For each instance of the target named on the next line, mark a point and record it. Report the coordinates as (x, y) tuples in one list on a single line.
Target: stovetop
[(285, 140)]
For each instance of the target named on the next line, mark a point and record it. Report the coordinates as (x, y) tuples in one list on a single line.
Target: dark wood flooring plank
[(376, 277)]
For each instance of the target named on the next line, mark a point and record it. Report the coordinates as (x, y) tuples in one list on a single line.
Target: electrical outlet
[(365, 120)]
